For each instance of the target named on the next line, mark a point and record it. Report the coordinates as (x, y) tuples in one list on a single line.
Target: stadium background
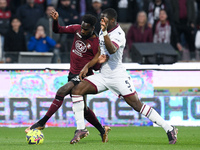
[(27, 90)]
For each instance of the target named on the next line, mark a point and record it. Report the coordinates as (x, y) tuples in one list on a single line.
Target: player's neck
[(112, 26), (93, 35)]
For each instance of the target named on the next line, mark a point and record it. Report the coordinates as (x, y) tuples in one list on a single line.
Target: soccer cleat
[(78, 135), (172, 135), (105, 135), (35, 126)]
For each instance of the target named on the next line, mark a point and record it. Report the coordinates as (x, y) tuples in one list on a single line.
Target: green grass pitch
[(120, 138)]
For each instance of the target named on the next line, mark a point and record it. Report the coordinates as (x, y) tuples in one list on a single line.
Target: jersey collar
[(113, 28)]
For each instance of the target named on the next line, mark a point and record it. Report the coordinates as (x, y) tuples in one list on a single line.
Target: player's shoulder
[(119, 31), (74, 26)]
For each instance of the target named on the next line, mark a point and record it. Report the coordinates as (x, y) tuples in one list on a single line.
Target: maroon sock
[(92, 119), (57, 102)]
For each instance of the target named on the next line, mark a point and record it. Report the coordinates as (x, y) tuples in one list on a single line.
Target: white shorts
[(122, 86)]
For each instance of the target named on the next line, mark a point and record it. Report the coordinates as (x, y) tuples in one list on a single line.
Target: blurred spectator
[(14, 41), (40, 42), (154, 9), (166, 32), (197, 40), (5, 15), (163, 29), (105, 4), (29, 14), (122, 10), (15, 4), (60, 39), (126, 10), (80, 6), (67, 13), (198, 13), (96, 11), (143, 5), (184, 19), (42, 3), (139, 32), (52, 2)]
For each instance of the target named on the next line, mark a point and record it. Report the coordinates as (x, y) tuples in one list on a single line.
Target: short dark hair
[(15, 17), (50, 5), (88, 18), (111, 13)]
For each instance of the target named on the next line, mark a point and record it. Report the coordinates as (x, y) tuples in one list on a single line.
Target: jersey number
[(128, 84)]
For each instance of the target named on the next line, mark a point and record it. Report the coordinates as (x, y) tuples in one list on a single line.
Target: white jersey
[(113, 67), (113, 75)]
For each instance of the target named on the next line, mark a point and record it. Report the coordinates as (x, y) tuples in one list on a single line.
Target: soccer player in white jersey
[(113, 76)]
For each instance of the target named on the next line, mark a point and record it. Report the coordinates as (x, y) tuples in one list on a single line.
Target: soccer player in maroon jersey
[(84, 48)]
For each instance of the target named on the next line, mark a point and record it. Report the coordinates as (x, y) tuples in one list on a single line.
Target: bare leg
[(78, 107), (78, 102), (150, 113), (57, 102)]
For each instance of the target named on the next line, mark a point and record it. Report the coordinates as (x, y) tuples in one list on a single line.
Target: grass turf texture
[(120, 138)]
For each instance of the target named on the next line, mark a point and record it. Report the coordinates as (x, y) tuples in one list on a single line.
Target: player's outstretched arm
[(60, 29), (90, 64)]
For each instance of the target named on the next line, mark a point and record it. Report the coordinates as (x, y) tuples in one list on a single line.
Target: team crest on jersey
[(80, 46)]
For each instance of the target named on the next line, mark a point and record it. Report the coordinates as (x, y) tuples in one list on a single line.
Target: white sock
[(78, 109), (155, 117)]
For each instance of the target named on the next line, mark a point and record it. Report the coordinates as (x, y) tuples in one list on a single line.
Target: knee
[(60, 92), (63, 91)]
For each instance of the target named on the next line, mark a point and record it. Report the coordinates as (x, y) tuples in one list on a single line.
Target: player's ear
[(93, 28), (112, 20)]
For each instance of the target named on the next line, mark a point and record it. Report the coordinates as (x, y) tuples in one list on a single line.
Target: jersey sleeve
[(64, 29), (118, 39)]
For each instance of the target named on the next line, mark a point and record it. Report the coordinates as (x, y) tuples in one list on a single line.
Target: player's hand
[(37, 35), (103, 58), (54, 14), (83, 73), (104, 23)]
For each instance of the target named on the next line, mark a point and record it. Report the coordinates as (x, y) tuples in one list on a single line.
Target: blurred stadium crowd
[(26, 25)]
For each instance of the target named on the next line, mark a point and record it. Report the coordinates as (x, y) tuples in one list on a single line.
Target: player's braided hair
[(88, 18), (111, 13)]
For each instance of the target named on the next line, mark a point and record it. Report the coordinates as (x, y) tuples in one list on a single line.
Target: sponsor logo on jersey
[(78, 35), (76, 78), (101, 43)]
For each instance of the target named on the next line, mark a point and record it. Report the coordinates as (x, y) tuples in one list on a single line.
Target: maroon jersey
[(82, 51)]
